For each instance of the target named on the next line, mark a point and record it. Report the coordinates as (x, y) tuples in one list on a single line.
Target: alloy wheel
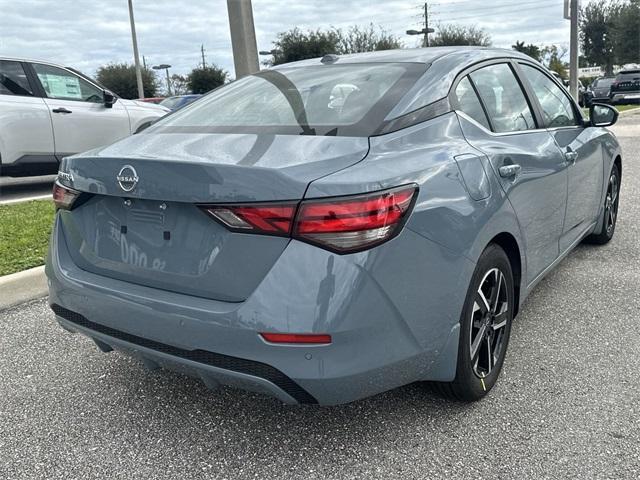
[(489, 318), (611, 203)]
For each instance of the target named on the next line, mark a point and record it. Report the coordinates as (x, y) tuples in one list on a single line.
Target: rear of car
[(215, 242), (626, 87)]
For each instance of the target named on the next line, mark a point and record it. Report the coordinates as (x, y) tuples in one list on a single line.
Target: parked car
[(179, 101), (581, 88), (599, 90), (155, 100), (48, 111), (269, 239), (626, 87)]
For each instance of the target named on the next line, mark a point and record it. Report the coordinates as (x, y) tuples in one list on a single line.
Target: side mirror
[(108, 98), (602, 115)]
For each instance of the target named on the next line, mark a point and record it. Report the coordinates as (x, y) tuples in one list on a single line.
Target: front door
[(79, 117), (582, 156), (525, 158)]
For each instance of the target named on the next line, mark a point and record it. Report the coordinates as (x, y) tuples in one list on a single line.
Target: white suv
[(48, 112)]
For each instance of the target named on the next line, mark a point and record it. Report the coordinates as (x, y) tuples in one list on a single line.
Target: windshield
[(170, 102), (349, 99), (603, 82)]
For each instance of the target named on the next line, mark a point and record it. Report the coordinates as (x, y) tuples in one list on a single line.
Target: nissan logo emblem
[(127, 178)]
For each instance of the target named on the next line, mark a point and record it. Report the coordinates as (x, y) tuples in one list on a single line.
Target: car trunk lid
[(156, 235)]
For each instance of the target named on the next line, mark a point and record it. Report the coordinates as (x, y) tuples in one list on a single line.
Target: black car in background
[(598, 91), (626, 87)]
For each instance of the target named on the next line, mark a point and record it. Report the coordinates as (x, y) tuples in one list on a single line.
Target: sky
[(86, 34)]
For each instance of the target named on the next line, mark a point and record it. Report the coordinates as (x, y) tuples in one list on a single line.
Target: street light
[(166, 68), (269, 52), (424, 31)]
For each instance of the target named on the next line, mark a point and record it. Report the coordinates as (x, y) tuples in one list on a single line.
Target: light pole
[(166, 68), (425, 32), (136, 57), (243, 37)]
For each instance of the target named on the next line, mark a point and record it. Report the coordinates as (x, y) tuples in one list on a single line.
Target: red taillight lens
[(344, 225), (266, 218), (354, 223), (63, 197), (304, 338)]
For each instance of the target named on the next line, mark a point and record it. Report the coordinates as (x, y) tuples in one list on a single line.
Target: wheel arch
[(509, 244)]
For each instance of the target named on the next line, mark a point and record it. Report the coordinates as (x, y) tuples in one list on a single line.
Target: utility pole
[(574, 10), (243, 37), (204, 65), (425, 42), (426, 30), (136, 57)]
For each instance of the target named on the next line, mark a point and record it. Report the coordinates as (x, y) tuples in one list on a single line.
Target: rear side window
[(13, 79), (469, 103), (556, 106), (503, 98)]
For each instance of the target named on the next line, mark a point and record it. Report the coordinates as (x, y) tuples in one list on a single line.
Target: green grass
[(24, 234)]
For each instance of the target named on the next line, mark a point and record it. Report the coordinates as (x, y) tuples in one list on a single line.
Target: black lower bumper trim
[(241, 365)]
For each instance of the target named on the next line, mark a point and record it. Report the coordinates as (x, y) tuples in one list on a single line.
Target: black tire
[(473, 380), (611, 202)]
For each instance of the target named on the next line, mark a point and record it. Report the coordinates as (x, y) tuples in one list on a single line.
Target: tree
[(596, 35), (532, 50), (366, 39), (296, 44), (179, 84), (121, 79), (204, 79), (452, 34), (625, 31), (552, 57)]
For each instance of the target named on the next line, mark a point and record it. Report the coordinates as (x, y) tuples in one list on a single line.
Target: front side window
[(63, 85), (503, 98), (13, 79), (469, 103), (348, 99), (556, 106)]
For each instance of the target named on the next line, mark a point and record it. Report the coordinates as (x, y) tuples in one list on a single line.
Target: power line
[(493, 14), (506, 5)]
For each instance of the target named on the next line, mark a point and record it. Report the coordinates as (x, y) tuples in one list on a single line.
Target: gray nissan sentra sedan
[(333, 228)]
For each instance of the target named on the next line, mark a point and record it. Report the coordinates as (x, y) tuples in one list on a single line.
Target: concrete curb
[(23, 286), (629, 112)]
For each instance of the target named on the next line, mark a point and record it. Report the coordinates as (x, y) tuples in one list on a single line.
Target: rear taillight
[(271, 219), (353, 223), (64, 197), (343, 224)]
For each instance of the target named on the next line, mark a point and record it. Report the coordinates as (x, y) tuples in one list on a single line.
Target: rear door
[(25, 124), (497, 119), (582, 153), (80, 119)]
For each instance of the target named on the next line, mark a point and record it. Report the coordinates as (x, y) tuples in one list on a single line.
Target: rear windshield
[(346, 100), (170, 102)]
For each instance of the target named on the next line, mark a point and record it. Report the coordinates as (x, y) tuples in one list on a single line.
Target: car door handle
[(571, 156), (61, 110), (508, 171)]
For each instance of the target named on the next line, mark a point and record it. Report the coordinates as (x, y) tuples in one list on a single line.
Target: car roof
[(413, 55), (32, 60)]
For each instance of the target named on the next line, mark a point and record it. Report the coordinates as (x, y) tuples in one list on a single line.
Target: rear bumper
[(387, 329)]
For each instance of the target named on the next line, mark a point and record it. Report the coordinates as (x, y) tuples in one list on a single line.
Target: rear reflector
[(304, 338), (63, 197), (340, 224)]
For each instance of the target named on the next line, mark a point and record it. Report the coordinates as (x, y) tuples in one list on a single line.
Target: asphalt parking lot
[(567, 404)]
